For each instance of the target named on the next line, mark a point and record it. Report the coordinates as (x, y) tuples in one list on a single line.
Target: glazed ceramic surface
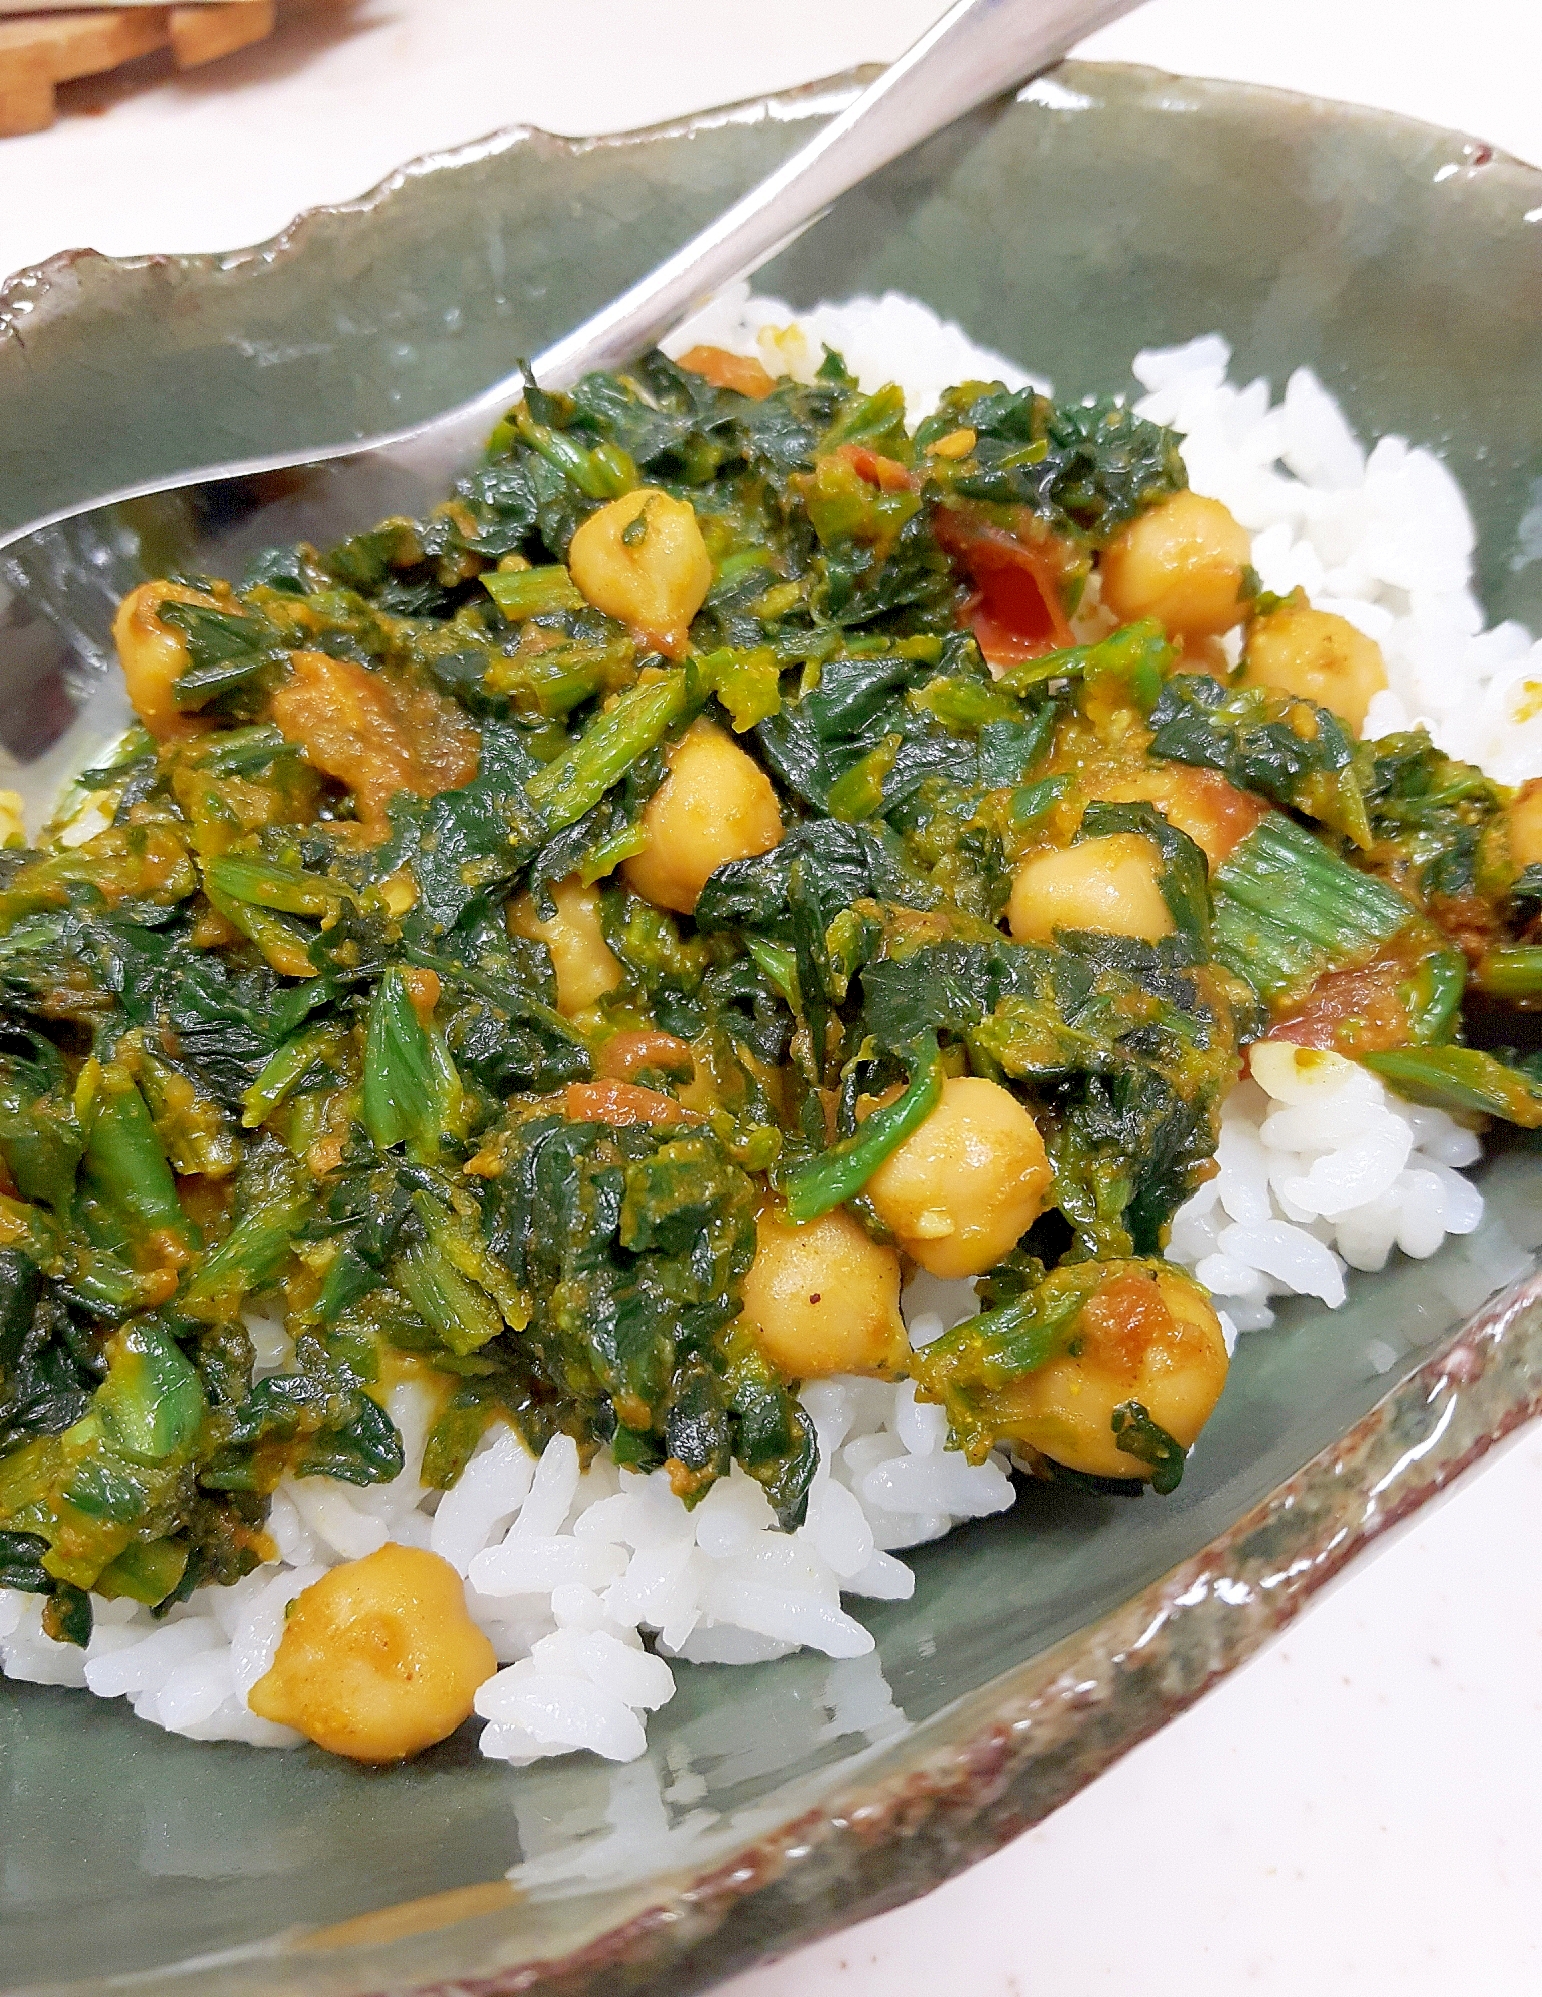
[(1100, 211)]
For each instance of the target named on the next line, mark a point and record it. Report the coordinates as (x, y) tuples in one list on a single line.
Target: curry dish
[(587, 947)]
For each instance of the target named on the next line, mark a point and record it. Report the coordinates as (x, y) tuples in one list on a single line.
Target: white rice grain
[(1321, 1165)]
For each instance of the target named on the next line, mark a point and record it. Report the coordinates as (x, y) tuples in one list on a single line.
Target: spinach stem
[(835, 1175)]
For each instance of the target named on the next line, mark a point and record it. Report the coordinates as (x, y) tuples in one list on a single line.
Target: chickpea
[(715, 805), (582, 959), (1180, 562), (1214, 813), (154, 657), (1523, 822), (1144, 1337), (1204, 655), (13, 819), (824, 1297), (1318, 656), (379, 1658), (1112, 884), (962, 1188), (642, 559)]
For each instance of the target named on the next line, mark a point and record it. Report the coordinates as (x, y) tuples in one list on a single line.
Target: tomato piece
[(1017, 612), (621, 1103), (888, 474), (1358, 1010), (741, 372), (625, 1052)]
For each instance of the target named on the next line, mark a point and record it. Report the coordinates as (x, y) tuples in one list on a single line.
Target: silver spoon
[(67, 570)]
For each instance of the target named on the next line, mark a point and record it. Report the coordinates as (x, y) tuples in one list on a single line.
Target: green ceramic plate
[(1100, 211)]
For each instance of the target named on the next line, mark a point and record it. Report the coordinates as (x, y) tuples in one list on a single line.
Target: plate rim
[(28, 285), (29, 282)]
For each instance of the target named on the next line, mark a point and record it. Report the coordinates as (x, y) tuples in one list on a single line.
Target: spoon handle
[(977, 48)]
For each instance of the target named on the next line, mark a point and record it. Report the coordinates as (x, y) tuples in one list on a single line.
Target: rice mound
[(570, 1570), (1320, 1166), (1383, 538), (565, 1568)]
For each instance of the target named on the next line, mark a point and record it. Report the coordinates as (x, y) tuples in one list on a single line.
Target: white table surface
[(1360, 1809)]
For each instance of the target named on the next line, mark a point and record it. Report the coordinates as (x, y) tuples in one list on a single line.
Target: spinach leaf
[(319, 1421), (236, 658), (1085, 468), (1275, 744), (836, 865)]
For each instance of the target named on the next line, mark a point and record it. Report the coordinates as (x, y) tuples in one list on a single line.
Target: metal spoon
[(67, 570)]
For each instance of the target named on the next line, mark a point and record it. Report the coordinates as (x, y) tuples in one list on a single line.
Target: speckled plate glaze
[(1099, 211)]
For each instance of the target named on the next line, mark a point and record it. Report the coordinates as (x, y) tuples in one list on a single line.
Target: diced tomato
[(1017, 612), (622, 1103), (728, 370), (1355, 1011), (888, 474), (625, 1052)]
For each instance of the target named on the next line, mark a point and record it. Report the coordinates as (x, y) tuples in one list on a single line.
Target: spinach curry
[(587, 945)]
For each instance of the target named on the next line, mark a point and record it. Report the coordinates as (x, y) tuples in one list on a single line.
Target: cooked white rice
[(589, 1583), (1320, 1166)]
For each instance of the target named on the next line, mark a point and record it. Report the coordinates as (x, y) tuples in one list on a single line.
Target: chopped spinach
[(352, 1008)]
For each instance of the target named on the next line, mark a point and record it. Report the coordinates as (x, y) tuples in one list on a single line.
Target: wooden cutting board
[(42, 49), (76, 6)]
